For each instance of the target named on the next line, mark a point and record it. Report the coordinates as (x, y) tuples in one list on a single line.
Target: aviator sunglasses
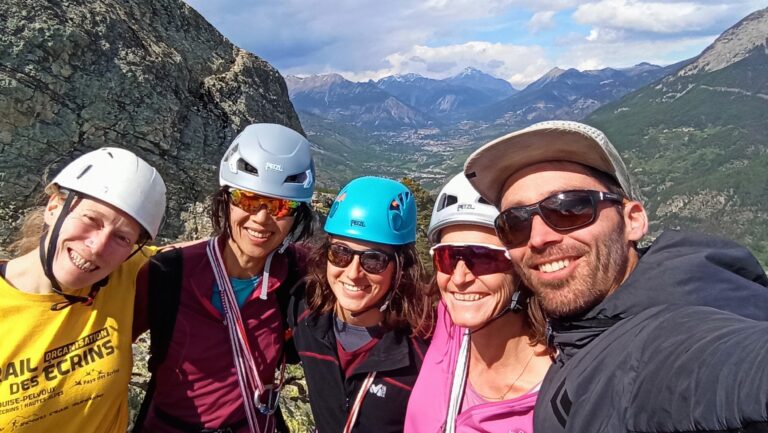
[(481, 259), (567, 210), (372, 261), (251, 202)]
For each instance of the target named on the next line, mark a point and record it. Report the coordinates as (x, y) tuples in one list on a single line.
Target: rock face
[(149, 75), (733, 45)]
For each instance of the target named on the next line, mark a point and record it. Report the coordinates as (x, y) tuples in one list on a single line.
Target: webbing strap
[(352, 417), (459, 384), (48, 254), (250, 383)]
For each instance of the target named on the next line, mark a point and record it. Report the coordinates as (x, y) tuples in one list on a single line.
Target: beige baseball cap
[(489, 167)]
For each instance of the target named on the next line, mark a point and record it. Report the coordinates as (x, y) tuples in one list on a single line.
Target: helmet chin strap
[(47, 256), (382, 306)]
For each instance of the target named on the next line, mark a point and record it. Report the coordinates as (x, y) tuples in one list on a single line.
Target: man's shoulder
[(683, 268), (646, 368)]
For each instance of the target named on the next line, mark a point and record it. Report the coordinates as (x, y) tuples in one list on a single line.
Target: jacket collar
[(679, 268), (390, 353)]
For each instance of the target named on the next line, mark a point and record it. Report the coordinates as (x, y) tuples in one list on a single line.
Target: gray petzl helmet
[(120, 178), (270, 160), (459, 203)]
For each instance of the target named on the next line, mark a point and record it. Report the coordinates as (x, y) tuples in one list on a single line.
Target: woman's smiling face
[(473, 300), (357, 291), (94, 240)]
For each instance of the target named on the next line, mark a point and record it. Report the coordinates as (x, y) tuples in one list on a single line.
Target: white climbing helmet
[(120, 178), (459, 203)]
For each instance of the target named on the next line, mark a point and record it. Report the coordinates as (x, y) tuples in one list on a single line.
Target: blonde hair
[(33, 225), (32, 228)]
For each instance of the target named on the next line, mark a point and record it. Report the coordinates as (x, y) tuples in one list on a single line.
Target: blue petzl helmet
[(374, 209)]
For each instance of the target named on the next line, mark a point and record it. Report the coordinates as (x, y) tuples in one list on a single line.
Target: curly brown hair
[(410, 306)]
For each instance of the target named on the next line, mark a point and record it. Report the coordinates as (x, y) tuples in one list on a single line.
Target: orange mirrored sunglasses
[(251, 202)]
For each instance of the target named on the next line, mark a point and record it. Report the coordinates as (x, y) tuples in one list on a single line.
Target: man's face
[(572, 271)]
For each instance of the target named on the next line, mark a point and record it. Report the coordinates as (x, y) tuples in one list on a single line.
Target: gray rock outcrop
[(733, 45), (149, 75)]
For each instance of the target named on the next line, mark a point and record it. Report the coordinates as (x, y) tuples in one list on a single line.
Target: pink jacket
[(428, 405)]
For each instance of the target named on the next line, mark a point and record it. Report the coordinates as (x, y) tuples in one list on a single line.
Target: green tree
[(424, 203)]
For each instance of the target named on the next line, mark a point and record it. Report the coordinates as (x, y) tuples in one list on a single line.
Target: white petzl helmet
[(120, 178), (271, 160), (459, 203)]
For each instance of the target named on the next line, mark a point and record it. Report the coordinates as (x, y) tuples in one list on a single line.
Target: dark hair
[(608, 181), (410, 306), (303, 221)]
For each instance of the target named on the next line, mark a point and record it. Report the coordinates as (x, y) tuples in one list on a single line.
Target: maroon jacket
[(197, 382)]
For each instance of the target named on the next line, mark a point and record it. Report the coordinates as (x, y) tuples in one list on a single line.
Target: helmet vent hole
[(296, 178), (248, 168), (85, 170), (397, 222), (484, 201), (446, 200)]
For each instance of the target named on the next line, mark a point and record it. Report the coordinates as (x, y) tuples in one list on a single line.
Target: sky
[(511, 39)]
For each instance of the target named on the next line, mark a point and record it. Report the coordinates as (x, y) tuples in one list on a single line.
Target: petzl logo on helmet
[(466, 206), (357, 223), (273, 166)]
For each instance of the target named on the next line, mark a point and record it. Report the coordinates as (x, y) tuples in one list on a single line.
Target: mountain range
[(414, 101), (692, 133), (571, 94)]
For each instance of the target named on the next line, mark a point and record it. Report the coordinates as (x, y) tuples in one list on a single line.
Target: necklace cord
[(519, 375)]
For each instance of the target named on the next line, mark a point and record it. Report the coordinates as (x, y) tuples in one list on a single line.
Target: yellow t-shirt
[(67, 371)]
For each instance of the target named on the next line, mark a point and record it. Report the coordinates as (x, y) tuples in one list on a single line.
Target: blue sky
[(512, 39)]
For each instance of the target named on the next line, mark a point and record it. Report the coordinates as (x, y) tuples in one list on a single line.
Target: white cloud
[(601, 54), (368, 38), (541, 20), (605, 35), (653, 17), (342, 34)]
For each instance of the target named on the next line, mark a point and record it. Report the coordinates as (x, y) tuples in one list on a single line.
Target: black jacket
[(680, 346), (396, 358)]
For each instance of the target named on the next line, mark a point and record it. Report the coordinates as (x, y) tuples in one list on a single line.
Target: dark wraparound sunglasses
[(567, 210), (481, 259), (372, 261)]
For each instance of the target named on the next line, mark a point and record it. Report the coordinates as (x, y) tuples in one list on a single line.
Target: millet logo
[(379, 390)]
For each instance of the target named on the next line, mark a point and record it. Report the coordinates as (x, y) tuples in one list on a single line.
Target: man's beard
[(601, 269)]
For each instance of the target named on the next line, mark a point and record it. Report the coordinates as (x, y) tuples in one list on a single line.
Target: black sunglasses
[(567, 210), (372, 261)]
